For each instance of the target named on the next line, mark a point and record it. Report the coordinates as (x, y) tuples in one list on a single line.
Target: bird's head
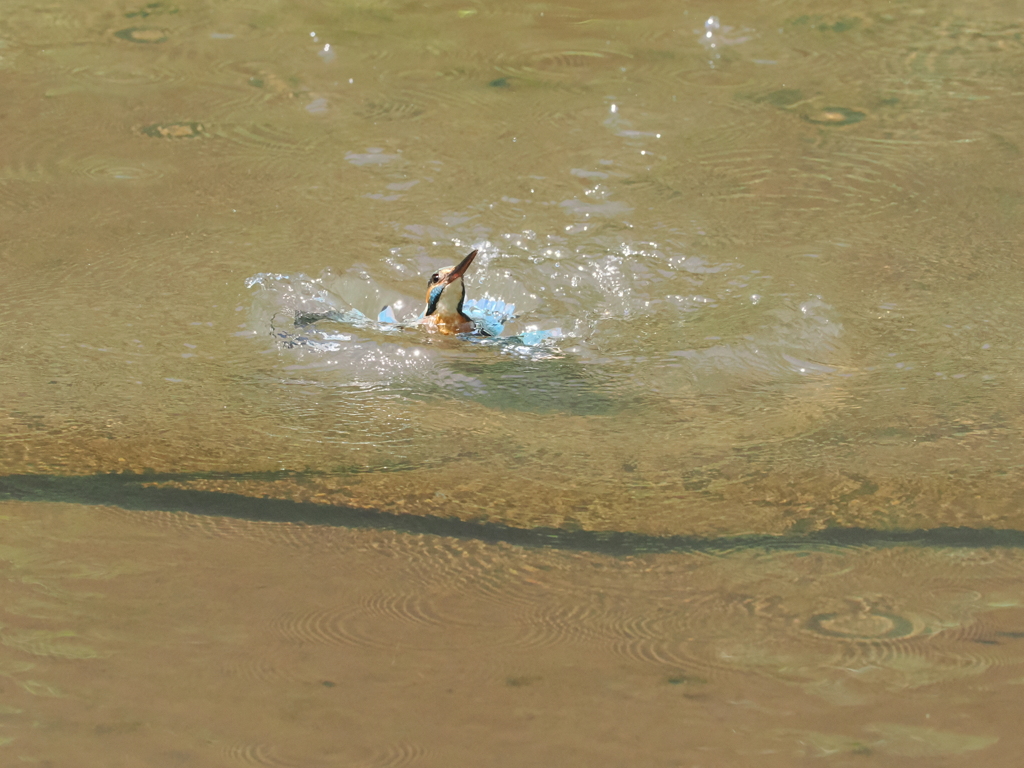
[(445, 291)]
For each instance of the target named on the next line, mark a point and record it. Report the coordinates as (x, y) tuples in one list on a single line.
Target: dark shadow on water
[(138, 492)]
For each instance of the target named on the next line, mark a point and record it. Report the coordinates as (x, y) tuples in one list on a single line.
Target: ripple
[(151, 8), (598, 622), (112, 169), (52, 643), (915, 55), (459, 583), (560, 67), (35, 161), (464, 86), (675, 637), (864, 178), (143, 35), (982, 643), (501, 576), (347, 626), (307, 538), (125, 73), (50, 25), (900, 664), (18, 195), (260, 76), (260, 669), (386, 108), (871, 626), (389, 622), (731, 75), (391, 755), (371, 157), (702, 635), (445, 596), (32, 160), (272, 146), (409, 607), (545, 627), (260, 754), (872, 641), (179, 130), (835, 116), (266, 136)]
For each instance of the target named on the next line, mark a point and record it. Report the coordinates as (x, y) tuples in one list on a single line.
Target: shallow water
[(765, 479)]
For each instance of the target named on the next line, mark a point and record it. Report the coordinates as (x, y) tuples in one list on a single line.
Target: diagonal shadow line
[(134, 492)]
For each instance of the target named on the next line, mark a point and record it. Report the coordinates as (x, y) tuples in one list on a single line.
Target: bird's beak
[(460, 270)]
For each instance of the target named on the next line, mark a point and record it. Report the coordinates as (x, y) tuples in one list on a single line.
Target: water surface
[(779, 244)]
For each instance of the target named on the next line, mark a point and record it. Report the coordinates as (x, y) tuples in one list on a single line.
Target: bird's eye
[(435, 277)]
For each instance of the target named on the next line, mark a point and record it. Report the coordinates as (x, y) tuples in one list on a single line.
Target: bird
[(446, 295), (448, 312)]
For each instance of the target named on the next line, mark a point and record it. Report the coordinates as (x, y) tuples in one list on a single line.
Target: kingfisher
[(448, 312), (446, 295)]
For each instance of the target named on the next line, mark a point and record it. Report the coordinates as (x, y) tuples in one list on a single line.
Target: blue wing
[(489, 314)]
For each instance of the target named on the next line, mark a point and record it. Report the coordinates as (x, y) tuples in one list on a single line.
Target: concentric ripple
[(871, 626), (389, 107), (114, 170), (180, 130), (126, 73), (267, 137), (563, 68), (407, 607), (389, 624), (865, 178), (261, 754), (602, 623), (143, 35), (262, 668), (392, 755), (347, 626)]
